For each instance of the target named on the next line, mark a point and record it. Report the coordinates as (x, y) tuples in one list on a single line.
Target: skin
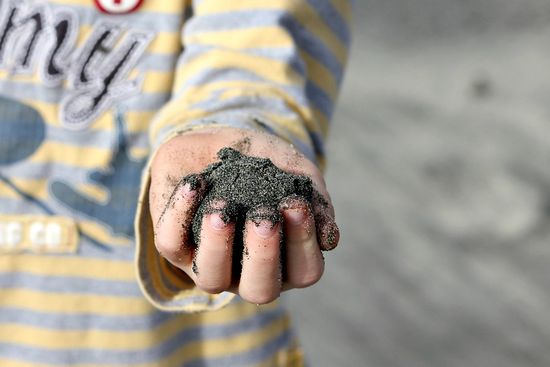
[(306, 230)]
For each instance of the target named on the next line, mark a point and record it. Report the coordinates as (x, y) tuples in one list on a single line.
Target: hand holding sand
[(241, 211)]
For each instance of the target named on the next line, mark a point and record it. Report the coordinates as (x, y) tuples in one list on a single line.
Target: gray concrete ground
[(440, 173)]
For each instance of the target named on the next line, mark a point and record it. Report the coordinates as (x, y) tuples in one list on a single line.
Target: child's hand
[(306, 228)]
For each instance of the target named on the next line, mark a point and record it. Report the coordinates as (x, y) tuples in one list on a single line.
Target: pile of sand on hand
[(241, 187)]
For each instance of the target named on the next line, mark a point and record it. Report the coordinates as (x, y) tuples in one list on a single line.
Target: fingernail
[(296, 217), (187, 191), (292, 202), (264, 228), (217, 222)]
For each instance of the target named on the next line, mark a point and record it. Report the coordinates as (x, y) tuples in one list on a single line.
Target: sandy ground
[(440, 173)]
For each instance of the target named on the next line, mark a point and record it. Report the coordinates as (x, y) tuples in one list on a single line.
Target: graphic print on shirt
[(22, 131), (118, 6), (37, 36), (122, 178)]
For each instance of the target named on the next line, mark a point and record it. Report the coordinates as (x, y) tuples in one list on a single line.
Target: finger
[(304, 260), (260, 281), (172, 230), (213, 258), (328, 233)]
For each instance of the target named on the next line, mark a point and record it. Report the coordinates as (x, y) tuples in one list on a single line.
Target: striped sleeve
[(253, 64)]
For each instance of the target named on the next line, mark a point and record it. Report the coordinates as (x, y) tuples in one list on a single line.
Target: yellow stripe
[(74, 303), (38, 188), (157, 82), (84, 32), (177, 277), (320, 76), (162, 43), (37, 337), (20, 78), (170, 7), (69, 267), (273, 70), (70, 155), (177, 111), (96, 193), (139, 153), (96, 339), (102, 234), (314, 119), (243, 38), (344, 8), (228, 346), (268, 37), (136, 121), (196, 94), (166, 43), (292, 357), (322, 120), (208, 348), (293, 126), (14, 363), (303, 12)]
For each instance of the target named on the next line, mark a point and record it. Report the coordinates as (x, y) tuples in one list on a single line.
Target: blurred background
[(439, 167)]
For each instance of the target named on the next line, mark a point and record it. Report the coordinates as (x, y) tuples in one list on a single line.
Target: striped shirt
[(85, 97)]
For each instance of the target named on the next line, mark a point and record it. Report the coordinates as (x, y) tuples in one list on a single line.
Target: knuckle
[(211, 286), (304, 233), (167, 250)]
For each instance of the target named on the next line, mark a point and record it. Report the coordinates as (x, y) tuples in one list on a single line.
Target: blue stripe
[(245, 119), (205, 76), (309, 43), (306, 40), (62, 321), (37, 204), (282, 54), (247, 358), (37, 171), (23, 90), (218, 75), (319, 99), (100, 139), (129, 357), (332, 19), (261, 103), (157, 62), (318, 143), (69, 285), (160, 22), (91, 249)]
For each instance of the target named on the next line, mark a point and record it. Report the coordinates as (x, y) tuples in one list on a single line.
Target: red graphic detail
[(103, 5)]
